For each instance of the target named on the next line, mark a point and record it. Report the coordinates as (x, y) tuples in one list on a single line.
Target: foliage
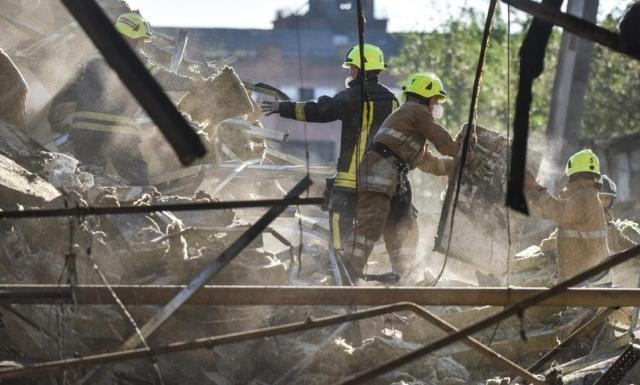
[(452, 53), (613, 93)]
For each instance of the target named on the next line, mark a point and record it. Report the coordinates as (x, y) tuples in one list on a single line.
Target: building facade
[(301, 55)]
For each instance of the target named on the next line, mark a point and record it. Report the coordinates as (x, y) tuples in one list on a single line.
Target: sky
[(403, 15)]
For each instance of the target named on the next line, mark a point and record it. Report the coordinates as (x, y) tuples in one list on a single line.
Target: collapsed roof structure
[(190, 280)]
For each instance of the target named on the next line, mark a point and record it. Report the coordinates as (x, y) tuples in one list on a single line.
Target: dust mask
[(437, 110)]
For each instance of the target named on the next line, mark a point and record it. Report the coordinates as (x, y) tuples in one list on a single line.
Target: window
[(319, 151), (340, 40)]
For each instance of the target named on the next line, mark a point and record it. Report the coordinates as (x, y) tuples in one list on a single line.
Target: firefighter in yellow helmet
[(401, 144), (99, 113), (358, 129), (582, 228)]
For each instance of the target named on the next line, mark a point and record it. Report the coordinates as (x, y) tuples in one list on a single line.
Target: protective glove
[(270, 107)]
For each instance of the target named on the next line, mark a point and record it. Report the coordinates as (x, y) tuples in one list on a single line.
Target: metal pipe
[(318, 295), (210, 342), (515, 309), (197, 206)]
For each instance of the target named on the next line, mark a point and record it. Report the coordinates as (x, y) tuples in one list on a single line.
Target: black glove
[(270, 107), (327, 194)]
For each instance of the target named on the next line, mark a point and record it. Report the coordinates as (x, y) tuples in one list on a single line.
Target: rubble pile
[(481, 208), (171, 248)]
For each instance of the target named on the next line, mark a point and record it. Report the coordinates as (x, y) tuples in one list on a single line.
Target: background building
[(302, 55)]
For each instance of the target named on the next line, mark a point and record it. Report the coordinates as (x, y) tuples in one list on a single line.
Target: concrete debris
[(20, 187), (173, 247)]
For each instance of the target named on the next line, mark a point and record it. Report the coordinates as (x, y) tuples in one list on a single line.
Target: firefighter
[(99, 113), (357, 130), (400, 145), (13, 92), (582, 228), (617, 238)]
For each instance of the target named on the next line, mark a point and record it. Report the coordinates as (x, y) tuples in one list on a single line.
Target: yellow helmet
[(373, 58), (583, 161), (424, 86), (133, 26)]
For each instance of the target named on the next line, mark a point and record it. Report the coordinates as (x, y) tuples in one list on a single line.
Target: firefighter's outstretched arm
[(325, 109)]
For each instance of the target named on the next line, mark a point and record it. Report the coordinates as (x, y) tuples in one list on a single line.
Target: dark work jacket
[(346, 106), (97, 100)]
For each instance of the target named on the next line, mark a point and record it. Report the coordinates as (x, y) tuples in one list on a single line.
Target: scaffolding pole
[(132, 295), (308, 324)]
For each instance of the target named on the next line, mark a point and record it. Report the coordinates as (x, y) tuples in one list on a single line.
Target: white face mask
[(437, 111), (348, 80)]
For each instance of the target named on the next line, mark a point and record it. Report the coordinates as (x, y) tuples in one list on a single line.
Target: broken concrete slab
[(479, 237), (219, 97), (21, 187)]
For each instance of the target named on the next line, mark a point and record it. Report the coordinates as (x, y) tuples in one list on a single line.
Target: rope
[(508, 214), (304, 125), (470, 126), (364, 98)]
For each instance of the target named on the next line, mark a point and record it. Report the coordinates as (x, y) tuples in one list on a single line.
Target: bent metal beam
[(309, 323), (319, 296)]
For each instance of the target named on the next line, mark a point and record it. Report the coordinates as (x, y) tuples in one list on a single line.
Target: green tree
[(452, 52), (613, 93)]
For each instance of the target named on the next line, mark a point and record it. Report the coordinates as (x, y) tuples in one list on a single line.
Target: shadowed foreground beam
[(310, 295)]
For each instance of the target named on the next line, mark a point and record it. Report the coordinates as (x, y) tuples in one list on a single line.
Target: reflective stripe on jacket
[(98, 121), (409, 130)]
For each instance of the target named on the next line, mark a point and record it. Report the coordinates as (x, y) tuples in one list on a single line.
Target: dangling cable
[(470, 127), (301, 77), (362, 75), (304, 125), (508, 216), (124, 311), (508, 122)]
